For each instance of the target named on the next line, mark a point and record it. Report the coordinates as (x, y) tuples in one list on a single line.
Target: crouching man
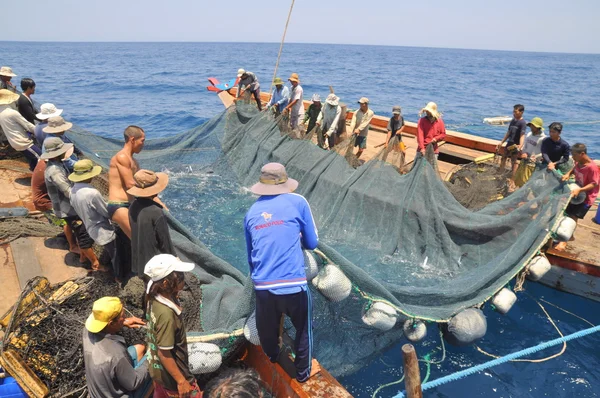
[(111, 368)]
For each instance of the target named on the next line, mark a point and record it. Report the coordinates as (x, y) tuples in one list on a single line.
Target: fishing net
[(397, 238), (475, 185)]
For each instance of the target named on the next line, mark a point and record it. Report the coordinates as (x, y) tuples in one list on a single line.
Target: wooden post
[(412, 380)]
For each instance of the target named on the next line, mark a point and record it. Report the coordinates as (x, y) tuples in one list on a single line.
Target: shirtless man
[(120, 177)]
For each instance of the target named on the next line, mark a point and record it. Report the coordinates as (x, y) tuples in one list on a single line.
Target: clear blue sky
[(529, 25)]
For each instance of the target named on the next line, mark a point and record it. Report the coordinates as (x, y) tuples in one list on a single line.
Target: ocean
[(103, 87)]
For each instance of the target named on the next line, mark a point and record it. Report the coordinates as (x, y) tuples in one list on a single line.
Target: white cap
[(163, 265), (241, 72)]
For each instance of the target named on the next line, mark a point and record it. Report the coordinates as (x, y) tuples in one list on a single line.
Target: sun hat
[(47, 111), (332, 99), (84, 170), (163, 265), (278, 81), (363, 100), (104, 311), (7, 97), (316, 98), (241, 72), (148, 183), (431, 107), (294, 78), (6, 71), (396, 110), (55, 147), (537, 122), (56, 124), (274, 181)]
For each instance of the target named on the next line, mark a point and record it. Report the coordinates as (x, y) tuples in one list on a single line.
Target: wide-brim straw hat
[(274, 181), (431, 107), (148, 183), (6, 71), (332, 100), (56, 124), (47, 111), (84, 170), (55, 147), (294, 78), (7, 97)]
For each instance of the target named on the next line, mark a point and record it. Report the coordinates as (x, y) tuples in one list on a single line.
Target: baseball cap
[(163, 265), (104, 311)]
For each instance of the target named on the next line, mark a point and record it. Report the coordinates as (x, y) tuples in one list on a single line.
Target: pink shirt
[(585, 175), (427, 131)]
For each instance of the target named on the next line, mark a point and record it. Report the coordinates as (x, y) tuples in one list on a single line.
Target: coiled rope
[(528, 351), (281, 45)]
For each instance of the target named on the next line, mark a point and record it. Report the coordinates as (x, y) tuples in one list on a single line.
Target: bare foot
[(101, 268), (315, 367), (75, 249), (560, 246)]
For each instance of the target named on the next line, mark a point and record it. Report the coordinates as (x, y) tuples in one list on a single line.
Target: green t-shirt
[(166, 332)]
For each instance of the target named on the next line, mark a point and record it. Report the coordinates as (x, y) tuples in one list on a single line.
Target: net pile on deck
[(398, 239)]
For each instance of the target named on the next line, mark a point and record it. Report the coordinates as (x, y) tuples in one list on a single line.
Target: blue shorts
[(133, 354), (360, 142)]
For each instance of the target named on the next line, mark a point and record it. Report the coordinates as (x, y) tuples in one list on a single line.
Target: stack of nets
[(475, 185)]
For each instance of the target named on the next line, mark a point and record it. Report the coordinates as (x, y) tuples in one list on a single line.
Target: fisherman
[(587, 176), (360, 125), (515, 138), (24, 103), (235, 383), (430, 129), (91, 207), (47, 111), (555, 150), (17, 129), (6, 74), (395, 127), (277, 227), (168, 356), (57, 127), (59, 190), (249, 83), (279, 97), (328, 120), (111, 368), (149, 229), (296, 106), (312, 113), (531, 152), (120, 177)]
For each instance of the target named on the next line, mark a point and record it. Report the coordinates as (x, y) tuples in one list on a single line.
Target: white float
[(332, 283), (565, 229), (250, 330), (579, 199), (311, 264), (537, 268), (414, 330), (465, 328), (381, 316), (204, 357), (504, 300)]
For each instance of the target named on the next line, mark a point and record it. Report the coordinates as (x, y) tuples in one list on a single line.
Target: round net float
[(414, 330), (579, 199), (504, 300), (537, 268), (204, 357), (311, 264), (250, 329), (565, 229), (332, 283), (465, 328), (381, 316)]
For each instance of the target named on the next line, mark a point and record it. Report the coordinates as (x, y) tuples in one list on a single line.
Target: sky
[(526, 25)]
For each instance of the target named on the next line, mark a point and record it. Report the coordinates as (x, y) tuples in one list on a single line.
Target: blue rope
[(509, 357)]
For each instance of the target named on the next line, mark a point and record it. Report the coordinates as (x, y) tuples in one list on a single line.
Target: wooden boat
[(575, 270)]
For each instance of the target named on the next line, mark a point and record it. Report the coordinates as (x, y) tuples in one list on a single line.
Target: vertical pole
[(281, 46), (412, 380)]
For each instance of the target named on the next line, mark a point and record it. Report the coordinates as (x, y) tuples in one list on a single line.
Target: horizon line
[(256, 42)]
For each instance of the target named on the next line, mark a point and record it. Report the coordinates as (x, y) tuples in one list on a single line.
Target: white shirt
[(298, 108), (15, 128), (533, 144)]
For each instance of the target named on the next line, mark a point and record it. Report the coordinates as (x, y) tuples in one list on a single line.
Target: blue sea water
[(104, 87)]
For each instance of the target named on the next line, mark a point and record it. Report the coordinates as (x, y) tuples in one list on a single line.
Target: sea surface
[(103, 87)]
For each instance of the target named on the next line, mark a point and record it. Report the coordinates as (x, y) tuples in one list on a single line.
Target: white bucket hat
[(316, 98), (274, 181), (333, 99), (6, 71), (47, 111)]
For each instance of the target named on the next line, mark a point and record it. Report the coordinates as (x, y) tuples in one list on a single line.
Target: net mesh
[(398, 234)]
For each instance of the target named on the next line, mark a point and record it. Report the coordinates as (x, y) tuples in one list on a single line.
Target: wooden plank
[(573, 282), (26, 262), (460, 152)]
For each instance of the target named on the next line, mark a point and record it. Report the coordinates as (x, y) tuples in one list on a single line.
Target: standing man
[(360, 125), (296, 106), (312, 113), (328, 120), (149, 229), (6, 74), (555, 150), (277, 226), (430, 129), (515, 138), (279, 98), (249, 83), (120, 177), (531, 152), (587, 176), (395, 127), (18, 131), (25, 103)]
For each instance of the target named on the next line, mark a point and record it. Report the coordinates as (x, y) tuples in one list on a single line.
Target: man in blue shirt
[(277, 226), (279, 97)]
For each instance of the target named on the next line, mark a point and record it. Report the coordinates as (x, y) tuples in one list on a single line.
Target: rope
[(528, 351), (281, 46)]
